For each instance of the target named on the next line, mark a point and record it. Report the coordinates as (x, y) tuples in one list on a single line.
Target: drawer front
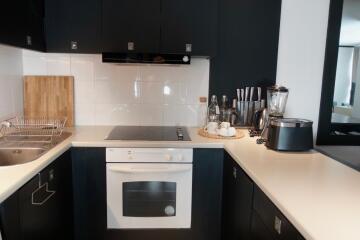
[(274, 220), (258, 230)]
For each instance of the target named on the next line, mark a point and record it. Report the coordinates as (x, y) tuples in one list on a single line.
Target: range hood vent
[(146, 58)]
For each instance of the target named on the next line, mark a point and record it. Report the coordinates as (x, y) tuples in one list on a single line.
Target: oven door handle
[(177, 169)]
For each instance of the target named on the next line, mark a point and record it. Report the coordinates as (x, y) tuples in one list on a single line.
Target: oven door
[(148, 195)]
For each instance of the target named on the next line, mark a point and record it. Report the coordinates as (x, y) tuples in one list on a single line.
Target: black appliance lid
[(291, 122), (278, 88)]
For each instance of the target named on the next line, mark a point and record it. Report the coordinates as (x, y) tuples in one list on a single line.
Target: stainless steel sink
[(15, 153), (15, 156)]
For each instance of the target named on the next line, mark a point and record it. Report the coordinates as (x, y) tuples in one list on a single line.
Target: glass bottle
[(234, 114), (213, 110), (224, 113)]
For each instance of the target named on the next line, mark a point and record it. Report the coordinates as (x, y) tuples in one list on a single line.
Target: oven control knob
[(180, 158), (168, 157), (169, 210)]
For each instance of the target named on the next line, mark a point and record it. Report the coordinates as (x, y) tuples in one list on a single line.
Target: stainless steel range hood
[(146, 58)]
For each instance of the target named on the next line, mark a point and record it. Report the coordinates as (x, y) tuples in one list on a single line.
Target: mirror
[(346, 100), (339, 118)]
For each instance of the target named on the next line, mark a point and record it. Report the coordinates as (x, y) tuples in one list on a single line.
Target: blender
[(276, 103)]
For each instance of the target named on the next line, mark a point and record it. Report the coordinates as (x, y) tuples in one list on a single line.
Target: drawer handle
[(48, 192), (277, 225)]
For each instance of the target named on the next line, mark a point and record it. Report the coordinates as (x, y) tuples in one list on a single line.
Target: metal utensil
[(246, 106), (251, 106), (258, 99)]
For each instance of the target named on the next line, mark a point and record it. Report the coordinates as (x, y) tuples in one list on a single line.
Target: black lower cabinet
[(46, 203), (207, 189), (41, 209), (237, 201), (259, 230), (10, 218), (89, 183), (277, 225)]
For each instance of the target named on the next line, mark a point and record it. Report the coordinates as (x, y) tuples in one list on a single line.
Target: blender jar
[(277, 97)]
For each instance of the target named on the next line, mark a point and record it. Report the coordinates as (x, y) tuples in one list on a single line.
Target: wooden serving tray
[(239, 134)]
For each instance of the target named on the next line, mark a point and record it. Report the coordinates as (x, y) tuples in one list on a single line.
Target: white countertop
[(320, 196)]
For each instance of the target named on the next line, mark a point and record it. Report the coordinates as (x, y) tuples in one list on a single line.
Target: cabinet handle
[(74, 45), (40, 187), (28, 40), (131, 46), (188, 47), (234, 172), (277, 225)]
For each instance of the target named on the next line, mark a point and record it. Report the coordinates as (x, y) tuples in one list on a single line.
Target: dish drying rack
[(41, 130)]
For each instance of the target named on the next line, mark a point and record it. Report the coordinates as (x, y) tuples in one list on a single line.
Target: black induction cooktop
[(149, 133)]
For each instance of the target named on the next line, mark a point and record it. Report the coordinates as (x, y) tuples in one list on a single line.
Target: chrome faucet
[(5, 124)]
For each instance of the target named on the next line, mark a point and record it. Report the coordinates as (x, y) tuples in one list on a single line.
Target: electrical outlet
[(203, 99)]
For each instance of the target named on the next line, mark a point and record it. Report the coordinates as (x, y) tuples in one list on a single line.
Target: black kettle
[(260, 119)]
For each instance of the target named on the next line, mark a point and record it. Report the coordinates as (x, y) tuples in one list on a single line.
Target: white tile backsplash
[(112, 94), (11, 90)]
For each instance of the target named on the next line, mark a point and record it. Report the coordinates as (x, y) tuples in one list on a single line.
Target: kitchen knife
[(238, 105), (259, 94), (258, 102), (251, 106), (251, 94), (242, 106), (246, 106)]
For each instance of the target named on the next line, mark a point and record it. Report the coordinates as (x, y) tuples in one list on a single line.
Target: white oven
[(148, 188)]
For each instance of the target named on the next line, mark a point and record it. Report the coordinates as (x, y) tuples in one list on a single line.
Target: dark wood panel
[(10, 218), (35, 25), (54, 216), (13, 22), (248, 45), (258, 229), (136, 21), (189, 22), (89, 183), (70, 21), (237, 201), (270, 216)]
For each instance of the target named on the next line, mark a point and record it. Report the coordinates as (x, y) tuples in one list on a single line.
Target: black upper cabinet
[(248, 45), (131, 26), (22, 24), (73, 26), (189, 26), (35, 35), (13, 22)]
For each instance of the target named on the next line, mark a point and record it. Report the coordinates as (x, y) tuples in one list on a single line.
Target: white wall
[(356, 107), (11, 90), (303, 31), (110, 94), (344, 71)]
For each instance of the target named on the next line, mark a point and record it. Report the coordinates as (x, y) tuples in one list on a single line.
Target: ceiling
[(350, 26)]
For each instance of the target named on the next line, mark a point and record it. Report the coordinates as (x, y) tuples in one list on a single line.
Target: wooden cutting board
[(49, 96)]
